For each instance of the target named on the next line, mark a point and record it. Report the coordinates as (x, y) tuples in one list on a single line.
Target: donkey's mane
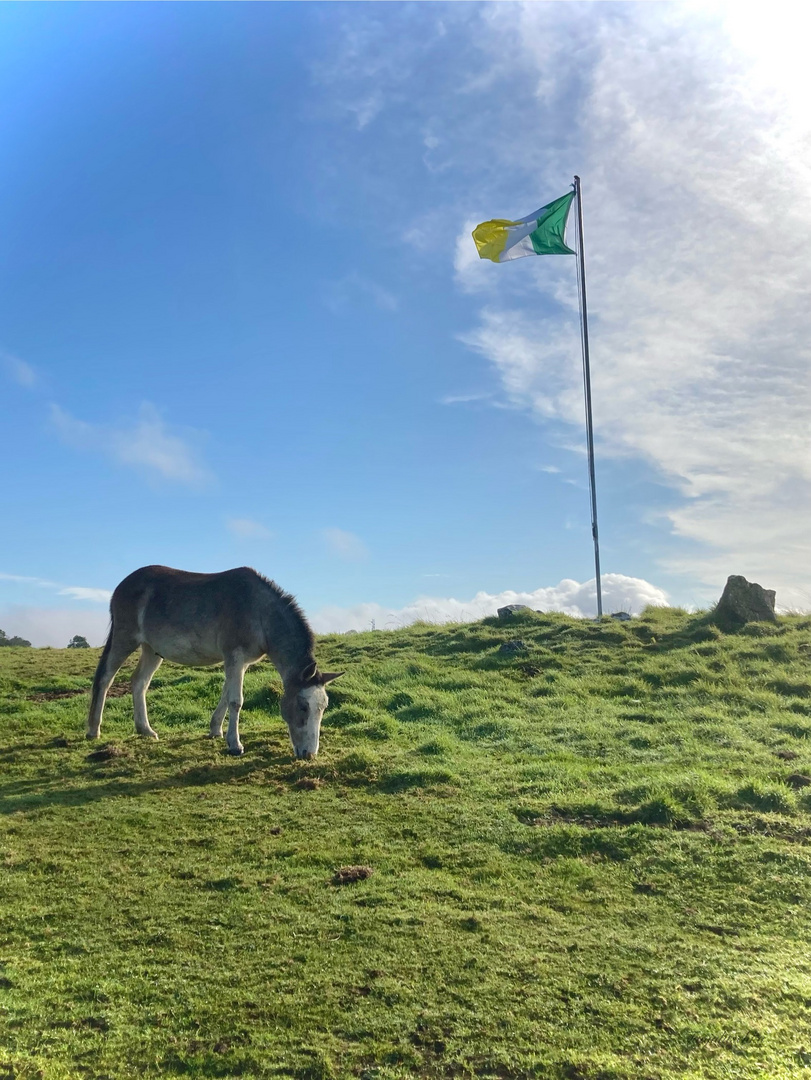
[(289, 609)]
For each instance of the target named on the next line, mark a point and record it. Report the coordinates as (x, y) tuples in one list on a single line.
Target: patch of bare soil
[(347, 875), (54, 695), (119, 689), (107, 753), (309, 783)]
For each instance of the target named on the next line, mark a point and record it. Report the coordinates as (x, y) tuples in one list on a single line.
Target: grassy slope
[(590, 861)]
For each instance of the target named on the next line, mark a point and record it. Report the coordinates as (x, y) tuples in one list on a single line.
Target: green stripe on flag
[(547, 237)]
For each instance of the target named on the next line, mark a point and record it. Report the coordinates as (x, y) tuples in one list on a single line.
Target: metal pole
[(584, 327)]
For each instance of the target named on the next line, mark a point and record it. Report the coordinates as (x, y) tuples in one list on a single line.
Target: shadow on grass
[(93, 782)]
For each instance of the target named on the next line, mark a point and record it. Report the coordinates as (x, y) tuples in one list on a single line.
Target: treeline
[(76, 642)]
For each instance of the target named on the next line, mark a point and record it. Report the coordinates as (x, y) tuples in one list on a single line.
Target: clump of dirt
[(60, 742), (787, 755), (348, 875), (309, 783), (798, 780), (107, 753)]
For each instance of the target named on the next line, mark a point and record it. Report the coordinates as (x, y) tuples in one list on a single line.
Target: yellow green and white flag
[(542, 233)]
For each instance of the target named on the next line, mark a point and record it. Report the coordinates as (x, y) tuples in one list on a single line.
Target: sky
[(243, 322)]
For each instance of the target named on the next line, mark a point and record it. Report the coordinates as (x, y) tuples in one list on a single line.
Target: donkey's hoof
[(236, 751), (92, 735)]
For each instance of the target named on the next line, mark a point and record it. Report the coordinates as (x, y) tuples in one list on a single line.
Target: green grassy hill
[(589, 860)]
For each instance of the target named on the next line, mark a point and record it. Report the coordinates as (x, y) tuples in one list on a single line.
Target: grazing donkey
[(236, 617)]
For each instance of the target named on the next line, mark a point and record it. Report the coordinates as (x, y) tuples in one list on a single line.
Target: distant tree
[(78, 642), (14, 641)]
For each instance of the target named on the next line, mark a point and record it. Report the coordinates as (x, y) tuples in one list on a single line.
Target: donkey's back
[(189, 618)]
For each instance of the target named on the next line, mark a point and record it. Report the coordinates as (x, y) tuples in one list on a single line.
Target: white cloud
[(54, 626), (620, 593), (18, 370), (147, 445), (248, 529), (345, 544)]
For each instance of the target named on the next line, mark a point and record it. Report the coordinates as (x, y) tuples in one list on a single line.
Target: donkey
[(236, 617)]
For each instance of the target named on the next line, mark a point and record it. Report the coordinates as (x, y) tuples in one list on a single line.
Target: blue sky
[(243, 321)]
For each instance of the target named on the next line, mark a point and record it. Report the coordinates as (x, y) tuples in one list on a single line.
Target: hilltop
[(585, 850)]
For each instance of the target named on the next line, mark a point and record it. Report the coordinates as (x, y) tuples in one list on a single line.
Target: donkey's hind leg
[(232, 691), (147, 666), (215, 731), (116, 650)]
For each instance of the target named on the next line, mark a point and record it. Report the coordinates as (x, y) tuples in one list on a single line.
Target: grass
[(590, 860)]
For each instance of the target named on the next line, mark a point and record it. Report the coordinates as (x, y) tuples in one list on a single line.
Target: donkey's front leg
[(234, 674)]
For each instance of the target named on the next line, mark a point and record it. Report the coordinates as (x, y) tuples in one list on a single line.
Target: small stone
[(510, 648), (509, 610)]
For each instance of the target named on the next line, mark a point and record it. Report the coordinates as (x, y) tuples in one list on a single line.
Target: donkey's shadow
[(93, 781)]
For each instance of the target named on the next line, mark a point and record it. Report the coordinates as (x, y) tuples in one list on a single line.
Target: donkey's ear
[(328, 676), (309, 673)]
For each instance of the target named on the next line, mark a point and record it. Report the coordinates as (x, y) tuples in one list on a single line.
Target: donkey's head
[(303, 704)]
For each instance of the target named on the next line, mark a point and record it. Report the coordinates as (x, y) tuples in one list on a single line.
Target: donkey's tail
[(101, 671)]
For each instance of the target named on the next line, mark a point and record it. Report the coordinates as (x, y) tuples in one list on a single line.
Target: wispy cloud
[(248, 529), (147, 444), (344, 544), (465, 399), (18, 370), (75, 592), (620, 593)]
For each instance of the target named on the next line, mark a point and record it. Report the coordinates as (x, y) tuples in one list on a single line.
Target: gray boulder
[(744, 601), (509, 610)]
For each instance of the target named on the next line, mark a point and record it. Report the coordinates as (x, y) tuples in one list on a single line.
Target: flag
[(542, 233)]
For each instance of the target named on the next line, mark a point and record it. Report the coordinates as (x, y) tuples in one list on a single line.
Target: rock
[(621, 616), (744, 601), (798, 780), (510, 648), (509, 610)]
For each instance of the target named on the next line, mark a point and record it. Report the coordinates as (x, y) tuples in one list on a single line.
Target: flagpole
[(584, 330)]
